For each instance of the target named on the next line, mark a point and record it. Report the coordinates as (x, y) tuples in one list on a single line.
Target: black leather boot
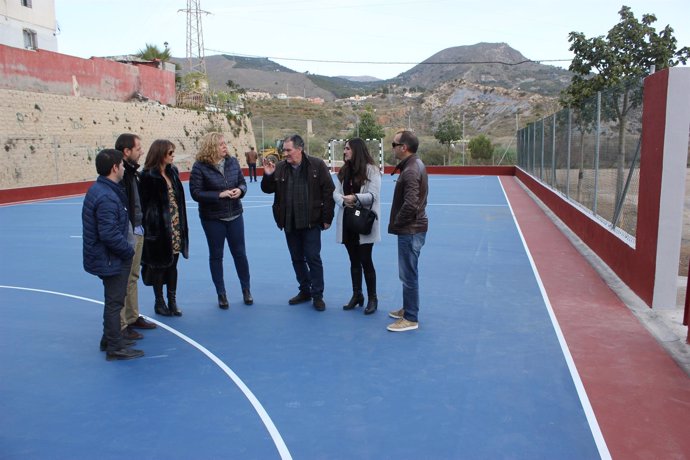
[(172, 304), (247, 297), (223, 302), (160, 307), (357, 298), (372, 305)]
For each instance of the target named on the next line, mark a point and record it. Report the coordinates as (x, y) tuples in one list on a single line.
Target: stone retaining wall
[(51, 139)]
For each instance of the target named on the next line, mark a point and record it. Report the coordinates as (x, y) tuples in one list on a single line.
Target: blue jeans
[(114, 292), (409, 247), (217, 231), (305, 252), (252, 171)]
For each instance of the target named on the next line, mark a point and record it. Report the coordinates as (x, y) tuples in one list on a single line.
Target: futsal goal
[(336, 147)]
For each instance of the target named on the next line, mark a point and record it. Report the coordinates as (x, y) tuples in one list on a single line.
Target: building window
[(30, 39), (26, 3)]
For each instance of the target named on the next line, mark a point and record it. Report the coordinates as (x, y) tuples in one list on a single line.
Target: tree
[(367, 127), (447, 132), (152, 52), (627, 53), (481, 147)]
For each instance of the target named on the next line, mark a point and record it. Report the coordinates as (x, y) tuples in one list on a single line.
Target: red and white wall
[(48, 72)]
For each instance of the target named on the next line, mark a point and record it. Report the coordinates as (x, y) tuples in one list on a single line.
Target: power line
[(337, 61)]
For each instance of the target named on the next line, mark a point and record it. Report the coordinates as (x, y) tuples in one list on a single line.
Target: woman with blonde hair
[(359, 184), (166, 235), (217, 184)]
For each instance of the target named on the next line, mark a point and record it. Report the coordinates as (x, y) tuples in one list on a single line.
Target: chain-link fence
[(591, 154)]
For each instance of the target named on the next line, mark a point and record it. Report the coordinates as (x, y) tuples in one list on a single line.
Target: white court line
[(470, 205), (577, 381), (441, 178), (265, 418), (43, 203), (267, 205)]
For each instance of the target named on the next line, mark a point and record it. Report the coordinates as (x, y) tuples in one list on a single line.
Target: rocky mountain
[(486, 109), (489, 64), (491, 84)]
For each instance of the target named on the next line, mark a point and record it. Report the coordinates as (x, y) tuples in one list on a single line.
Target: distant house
[(28, 24), (258, 95), (316, 100)]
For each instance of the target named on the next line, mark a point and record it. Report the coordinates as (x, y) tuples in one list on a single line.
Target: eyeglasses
[(395, 144), (171, 153)]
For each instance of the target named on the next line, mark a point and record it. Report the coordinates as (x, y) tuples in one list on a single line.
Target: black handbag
[(359, 220)]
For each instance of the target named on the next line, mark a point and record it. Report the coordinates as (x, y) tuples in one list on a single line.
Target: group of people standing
[(133, 220), (137, 223)]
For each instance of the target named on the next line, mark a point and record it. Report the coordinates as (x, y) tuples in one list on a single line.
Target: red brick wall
[(47, 72)]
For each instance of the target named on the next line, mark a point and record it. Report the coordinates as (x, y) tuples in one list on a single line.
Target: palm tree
[(152, 52)]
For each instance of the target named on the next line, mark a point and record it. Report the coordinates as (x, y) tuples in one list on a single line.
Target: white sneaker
[(402, 325)]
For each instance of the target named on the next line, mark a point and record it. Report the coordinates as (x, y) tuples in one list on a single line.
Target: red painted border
[(635, 266), (638, 393), (16, 195), (615, 252)]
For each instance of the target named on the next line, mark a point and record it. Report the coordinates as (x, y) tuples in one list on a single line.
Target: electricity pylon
[(195, 37)]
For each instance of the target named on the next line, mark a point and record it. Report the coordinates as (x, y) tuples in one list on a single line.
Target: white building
[(28, 24)]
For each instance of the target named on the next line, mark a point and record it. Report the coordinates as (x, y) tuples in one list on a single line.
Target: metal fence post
[(567, 171), (553, 151), (596, 154), (686, 315), (541, 165)]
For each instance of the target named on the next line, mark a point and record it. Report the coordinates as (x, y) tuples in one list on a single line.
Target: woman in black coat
[(165, 224)]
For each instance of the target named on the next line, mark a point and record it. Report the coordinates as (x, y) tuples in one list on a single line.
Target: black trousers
[(305, 252), (361, 261), (114, 292)]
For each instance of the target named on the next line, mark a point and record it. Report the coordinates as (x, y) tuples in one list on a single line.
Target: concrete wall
[(40, 18), (54, 73), (50, 139)]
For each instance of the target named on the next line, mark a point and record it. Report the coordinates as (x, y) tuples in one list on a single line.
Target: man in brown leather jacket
[(303, 206), (409, 221)]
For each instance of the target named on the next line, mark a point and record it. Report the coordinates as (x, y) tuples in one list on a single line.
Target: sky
[(379, 38)]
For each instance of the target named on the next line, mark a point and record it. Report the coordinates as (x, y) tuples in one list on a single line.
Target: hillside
[(258, 74), (460, 81), (480, 64), (487, 110), (473, 64)]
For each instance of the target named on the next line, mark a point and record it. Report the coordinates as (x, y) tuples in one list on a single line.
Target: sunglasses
[(170, 153), (395, 144)]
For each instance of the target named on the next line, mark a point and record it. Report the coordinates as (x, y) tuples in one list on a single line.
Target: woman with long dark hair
[(359, 184), (166, 235), (217, 184)]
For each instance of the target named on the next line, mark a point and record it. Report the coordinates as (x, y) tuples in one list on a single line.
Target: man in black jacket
[(303, 206), (130, 146)]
